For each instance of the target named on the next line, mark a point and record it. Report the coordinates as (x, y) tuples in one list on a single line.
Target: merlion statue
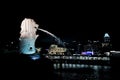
[(28, 36)]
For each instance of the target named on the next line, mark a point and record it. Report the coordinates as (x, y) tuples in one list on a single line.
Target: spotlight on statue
[(28, 36)]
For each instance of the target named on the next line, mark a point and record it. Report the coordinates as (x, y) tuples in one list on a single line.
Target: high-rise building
[(106, 38), (106, 44)]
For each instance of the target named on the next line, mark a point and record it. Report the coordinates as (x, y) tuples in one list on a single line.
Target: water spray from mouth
[(56, 38), (28, 36)]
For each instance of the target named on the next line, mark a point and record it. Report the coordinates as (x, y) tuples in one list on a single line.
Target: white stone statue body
[(28, 36)]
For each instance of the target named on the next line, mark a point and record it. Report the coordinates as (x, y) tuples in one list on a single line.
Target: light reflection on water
[(66, 66), (84, 72)]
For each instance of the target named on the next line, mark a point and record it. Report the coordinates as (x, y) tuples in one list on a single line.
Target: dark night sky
[(70, 22)]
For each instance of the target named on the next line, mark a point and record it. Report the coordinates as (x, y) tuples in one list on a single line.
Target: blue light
[(27, 46), (35, 57), (89, 53)]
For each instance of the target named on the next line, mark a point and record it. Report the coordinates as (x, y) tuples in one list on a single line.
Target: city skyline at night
[(61, 41), (64, 31), (68, 23)]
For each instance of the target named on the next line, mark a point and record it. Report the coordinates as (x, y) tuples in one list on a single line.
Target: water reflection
[(84, 72)]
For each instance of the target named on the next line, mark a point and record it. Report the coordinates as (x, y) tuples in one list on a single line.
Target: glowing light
[(35, 57), (106, 35), (87, 53), (28, 36)]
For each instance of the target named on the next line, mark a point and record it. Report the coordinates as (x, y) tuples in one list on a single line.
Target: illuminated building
[(106, 38), (92, 48), (106, 41), (55, 50), (106, 45), (88, 50), (28, 36)]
